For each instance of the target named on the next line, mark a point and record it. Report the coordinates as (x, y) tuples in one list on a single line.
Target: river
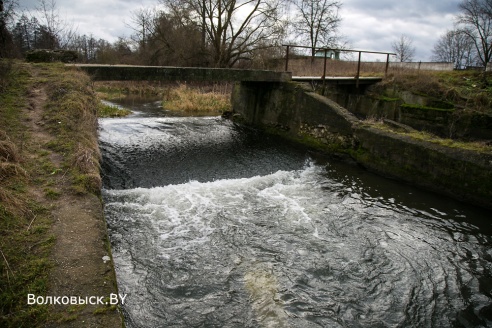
[(214, 224)]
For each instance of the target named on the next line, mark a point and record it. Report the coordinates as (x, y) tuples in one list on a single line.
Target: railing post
[(324, 65), (387, 65), (324, 73), (287, 59), (358, 71)]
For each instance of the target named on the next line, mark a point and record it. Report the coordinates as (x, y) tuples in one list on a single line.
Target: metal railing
[(326, 50)]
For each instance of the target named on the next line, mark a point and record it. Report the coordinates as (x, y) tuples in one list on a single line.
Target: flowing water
[(217, 225)]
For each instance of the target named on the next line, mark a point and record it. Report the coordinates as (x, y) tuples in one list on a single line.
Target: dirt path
[(80, 254)]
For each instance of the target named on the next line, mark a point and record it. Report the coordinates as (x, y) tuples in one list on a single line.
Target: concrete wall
[(293, 111), (292, 108), (462, 174)]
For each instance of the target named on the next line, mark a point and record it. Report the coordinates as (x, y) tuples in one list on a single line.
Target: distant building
[(330, 53)]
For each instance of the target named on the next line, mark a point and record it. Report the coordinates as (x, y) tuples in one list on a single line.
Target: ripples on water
[(215, 225)]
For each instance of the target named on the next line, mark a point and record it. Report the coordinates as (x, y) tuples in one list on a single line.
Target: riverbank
[(54, 244)]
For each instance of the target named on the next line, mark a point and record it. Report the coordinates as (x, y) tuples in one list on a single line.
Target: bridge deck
[(164, 73)]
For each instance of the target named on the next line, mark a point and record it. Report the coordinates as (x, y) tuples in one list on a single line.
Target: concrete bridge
[(165, 73)]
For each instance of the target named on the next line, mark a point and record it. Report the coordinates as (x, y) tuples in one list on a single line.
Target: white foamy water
[(216, 225), (193, 247)]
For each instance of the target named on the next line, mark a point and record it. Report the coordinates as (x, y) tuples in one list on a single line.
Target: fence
[(299, 61)]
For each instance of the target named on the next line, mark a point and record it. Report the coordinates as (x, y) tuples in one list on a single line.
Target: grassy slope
[(31, 180), (463, 89), (24, 264)]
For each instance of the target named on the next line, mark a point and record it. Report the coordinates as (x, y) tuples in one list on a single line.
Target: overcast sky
[(366, 24)]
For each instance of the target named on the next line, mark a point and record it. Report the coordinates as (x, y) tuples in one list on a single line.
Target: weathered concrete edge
[(292, 110)]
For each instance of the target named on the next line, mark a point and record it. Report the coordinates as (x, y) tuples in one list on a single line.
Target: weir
[(271, 99)]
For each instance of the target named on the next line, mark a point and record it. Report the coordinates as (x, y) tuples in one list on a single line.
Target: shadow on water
[(214, 224)]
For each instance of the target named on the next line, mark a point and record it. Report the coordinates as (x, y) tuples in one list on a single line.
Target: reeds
[(189, 99)]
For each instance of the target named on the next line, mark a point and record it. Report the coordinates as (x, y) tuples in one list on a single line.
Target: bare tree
[(164, 38), (404, 49), (50, 18), (231, 29), (476, 22), (143, 22), (86, 46), (317, 21), (454, 47)]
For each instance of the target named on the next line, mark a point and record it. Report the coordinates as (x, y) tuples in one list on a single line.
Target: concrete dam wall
[(295, 112)]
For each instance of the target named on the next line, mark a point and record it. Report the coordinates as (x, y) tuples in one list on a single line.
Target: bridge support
[(294, 109)]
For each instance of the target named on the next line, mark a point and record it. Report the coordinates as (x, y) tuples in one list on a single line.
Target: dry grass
[(117, 89), (8, 151), (86, 159), (8, 170), (71, 113), (188, 99), (11, 171)]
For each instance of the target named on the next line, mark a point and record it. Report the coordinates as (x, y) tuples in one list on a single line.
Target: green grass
[(111, 111)]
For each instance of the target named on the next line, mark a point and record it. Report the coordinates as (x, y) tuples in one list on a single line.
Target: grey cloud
[(372, 25)]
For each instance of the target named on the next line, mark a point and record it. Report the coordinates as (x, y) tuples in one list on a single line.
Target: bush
[(50, 56)]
